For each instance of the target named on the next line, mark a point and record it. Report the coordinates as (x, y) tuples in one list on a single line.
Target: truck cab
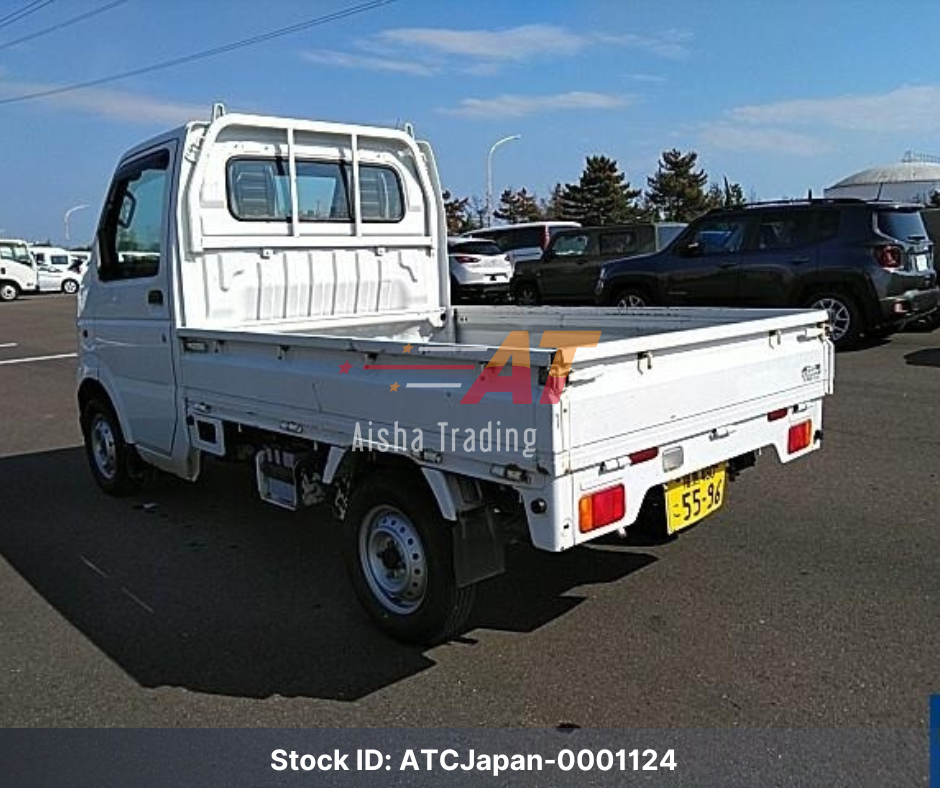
[(18, 272)]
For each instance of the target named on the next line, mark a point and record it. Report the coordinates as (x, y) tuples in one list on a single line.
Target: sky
[(781, 97)]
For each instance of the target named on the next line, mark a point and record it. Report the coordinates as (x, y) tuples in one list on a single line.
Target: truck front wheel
[(399, 554), (111, 459), (9, 291)]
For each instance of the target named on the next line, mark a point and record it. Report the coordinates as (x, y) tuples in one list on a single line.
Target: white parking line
[(37, 358), (7, 344)]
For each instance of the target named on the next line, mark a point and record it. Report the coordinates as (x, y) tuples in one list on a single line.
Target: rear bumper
[(911, 305), (552, 511)]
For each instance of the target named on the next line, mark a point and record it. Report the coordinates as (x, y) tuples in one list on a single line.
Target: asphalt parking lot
[(811, 600)]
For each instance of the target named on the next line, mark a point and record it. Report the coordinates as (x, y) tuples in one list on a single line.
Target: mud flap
[(478, 551)]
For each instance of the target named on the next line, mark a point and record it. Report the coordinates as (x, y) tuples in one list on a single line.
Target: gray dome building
[(914, 179)]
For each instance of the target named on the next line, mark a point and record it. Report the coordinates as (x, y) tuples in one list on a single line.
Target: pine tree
[(518, 206), (601, 196), (459, 219), (677, 192), (725, 195), (552, 207)]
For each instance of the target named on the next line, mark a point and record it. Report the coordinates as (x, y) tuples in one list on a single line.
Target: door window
[(570, 245), (718, 236), (618, 243), (131, 233), (785, 230)]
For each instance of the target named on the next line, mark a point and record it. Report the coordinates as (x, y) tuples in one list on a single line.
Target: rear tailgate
[(634, 394)]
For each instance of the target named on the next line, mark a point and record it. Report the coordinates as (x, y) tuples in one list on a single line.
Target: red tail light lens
[(602, 508), (644, 456), (800, 436), (888, 256), (462, 258), (776, 415)]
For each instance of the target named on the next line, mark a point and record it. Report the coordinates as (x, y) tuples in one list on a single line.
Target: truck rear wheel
[(111, 459), (399, 554)]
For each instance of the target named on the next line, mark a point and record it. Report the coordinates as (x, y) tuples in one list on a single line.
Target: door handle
[(727, 264), (800, 260), (155, 298)]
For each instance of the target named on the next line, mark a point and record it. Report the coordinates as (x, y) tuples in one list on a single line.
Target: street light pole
[(68, 213), (489, 175)]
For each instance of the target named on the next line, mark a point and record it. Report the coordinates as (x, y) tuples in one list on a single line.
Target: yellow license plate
[(693, 497)]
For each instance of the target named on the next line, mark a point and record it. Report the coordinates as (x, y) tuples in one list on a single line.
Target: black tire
[(412, 597), (9, 291), (527, 294), (70, 287), (114, 464), (632, 297), (845, 318)]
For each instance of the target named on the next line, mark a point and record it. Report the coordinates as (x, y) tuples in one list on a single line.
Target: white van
[(524, 241), (52, 255), (17, 269)]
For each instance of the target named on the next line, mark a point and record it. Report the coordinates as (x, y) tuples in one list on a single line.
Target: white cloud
[(810, 127), (902, 109), (115, 104), (516, 106), (517, 43), (761, 139), (423, 51), (347, 60)]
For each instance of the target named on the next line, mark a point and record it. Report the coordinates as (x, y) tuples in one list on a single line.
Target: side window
[(617, 243), (785, 230), (570, 245), (6, 253), (719, 235), (40, 257), (131, 232)]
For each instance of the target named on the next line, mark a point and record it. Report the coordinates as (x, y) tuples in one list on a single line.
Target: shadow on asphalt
[(928, 357), (205, 587)]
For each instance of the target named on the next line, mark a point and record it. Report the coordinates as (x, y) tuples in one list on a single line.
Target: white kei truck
[(276, 291)]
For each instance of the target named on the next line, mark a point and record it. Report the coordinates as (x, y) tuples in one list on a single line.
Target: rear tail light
[(776, 415), (602, 508), (462, 258), (888, 256), (799, 437)]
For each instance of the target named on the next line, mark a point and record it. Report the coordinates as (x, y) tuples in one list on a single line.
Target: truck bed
[(657, 375)]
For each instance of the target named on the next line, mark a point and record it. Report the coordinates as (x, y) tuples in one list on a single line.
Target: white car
[(53, 279), (479, 270)]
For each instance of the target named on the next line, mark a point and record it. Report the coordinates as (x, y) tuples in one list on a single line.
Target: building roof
[(904, 172)]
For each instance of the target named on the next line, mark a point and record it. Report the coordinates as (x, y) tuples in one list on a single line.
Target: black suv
[(870, 264), (568, 268)]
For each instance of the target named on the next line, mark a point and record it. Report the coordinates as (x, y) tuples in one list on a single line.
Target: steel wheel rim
[(840, 319), (7, 292), (104, 447), (70, 287), (630, 300), (393, 560)]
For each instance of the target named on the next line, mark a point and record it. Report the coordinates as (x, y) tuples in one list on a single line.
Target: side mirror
[(547, 255)]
